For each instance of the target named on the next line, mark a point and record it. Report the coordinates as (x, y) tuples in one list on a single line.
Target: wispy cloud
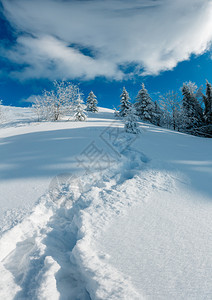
[(152, 35)]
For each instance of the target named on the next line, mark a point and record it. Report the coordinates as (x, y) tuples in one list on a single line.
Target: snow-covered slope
[(90, 212)]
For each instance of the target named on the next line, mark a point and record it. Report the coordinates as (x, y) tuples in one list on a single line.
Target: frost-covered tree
[(144, 105), (40, 108), (170, 104), (92, 103), (54, 104), (80, 114), (192, 112), (131, 122), (125, 103), (65, 95)]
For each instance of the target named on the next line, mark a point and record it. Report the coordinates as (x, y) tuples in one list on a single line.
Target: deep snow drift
[(91, 212)]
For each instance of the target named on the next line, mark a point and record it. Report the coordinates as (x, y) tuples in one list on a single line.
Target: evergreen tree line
[(191, 113)]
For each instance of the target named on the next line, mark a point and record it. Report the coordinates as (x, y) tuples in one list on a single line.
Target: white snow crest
[(8, 287), (103, 281), (48, 288)]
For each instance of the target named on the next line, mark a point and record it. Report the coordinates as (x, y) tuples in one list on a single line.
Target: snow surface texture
[(137, 226)]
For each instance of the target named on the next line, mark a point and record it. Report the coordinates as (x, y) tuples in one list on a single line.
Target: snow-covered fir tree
[(80, 114), (191, 109), (116, 112), (130, 120), (207, 114), (125, 103), (92, 103), (144, 105), (157, 115), (208, 103)]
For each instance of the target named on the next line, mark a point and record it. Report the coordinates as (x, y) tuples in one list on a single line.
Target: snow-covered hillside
[(88, 211)]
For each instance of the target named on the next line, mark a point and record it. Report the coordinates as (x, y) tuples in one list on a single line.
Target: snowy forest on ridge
[(190, 113)]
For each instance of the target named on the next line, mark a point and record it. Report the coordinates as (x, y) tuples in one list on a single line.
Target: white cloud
[(153, 34), (31, 99), (50, 57)]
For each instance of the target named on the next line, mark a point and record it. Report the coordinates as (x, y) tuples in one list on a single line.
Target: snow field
[(75, 223), (141, 230)]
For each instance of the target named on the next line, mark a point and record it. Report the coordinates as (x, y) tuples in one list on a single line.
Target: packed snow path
[(49, 255), (141, 230)]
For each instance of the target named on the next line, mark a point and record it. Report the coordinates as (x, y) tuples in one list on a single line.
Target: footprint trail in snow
[(51, 254)]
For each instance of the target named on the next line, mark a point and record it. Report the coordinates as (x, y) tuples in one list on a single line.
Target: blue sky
[(103, 46)]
